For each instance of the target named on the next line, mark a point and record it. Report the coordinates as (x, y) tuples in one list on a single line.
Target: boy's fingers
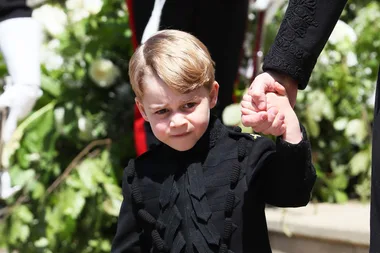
[(272, 112), (277, 124), (254, 120)]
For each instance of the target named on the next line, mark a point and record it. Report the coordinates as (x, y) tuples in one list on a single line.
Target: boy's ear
[(214, 94), (140, 106)]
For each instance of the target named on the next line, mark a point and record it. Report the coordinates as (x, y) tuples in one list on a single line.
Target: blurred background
[(67, 156)]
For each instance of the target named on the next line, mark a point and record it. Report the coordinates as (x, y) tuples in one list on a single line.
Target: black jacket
[(303, 33), (212, 197)]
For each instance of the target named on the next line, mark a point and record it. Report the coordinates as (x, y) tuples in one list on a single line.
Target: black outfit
[(14, 9), (375, 178), (211, 198), (303, 33), (219, 24)]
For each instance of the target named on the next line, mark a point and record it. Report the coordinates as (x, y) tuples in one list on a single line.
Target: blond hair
[(178, 58)]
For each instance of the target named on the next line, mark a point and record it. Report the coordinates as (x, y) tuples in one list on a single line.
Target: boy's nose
[(177, 120)]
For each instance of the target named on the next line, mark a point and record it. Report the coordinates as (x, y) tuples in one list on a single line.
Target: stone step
[(321, 227)]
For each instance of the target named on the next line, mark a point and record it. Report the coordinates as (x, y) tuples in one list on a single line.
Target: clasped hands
[(267, 107)]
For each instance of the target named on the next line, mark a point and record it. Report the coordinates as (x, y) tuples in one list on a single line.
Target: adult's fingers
[(279, 88)]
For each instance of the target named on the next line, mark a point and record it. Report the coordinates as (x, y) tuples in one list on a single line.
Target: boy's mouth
[(180, 135)]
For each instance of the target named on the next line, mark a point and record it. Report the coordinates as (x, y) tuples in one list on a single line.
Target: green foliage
[(338, 106), (68, 155)]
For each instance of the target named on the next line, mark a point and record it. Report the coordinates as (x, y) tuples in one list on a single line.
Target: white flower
[(103, 72), (261, 5), (59, 116), (85, 128), (6, 190), (53, 19), (341, 32), (351, 60), (335, 56), (324, 59), (356, 131), (340, 124), (49, 57), (371, 99), (93, 6), (80, 9), (320, 106)]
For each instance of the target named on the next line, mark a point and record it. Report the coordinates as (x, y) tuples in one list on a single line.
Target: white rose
[(53, 19), (103, 72), (81, 9), (93, 6), (341, 32)]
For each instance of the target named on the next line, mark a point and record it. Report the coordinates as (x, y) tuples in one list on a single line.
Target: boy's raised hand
[(280, 116), (273, 118)]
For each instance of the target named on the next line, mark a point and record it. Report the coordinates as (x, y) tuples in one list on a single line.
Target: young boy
[(205, 187)]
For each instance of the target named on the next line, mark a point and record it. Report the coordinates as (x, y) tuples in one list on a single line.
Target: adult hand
[(260, 119)]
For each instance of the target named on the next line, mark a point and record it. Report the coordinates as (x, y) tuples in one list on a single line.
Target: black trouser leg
[(375, 177)]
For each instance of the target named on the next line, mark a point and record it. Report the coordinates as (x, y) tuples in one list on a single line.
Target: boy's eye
[(189, 105), (161, 112)]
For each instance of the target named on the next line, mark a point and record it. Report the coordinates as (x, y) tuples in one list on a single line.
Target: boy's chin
[(182, 147)]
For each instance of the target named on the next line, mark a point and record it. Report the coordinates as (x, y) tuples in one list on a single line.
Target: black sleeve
[(14, 9), (303, 33), (282, 172), (288, 175), (127, 238)]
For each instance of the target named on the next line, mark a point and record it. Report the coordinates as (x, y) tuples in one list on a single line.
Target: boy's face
[(178, 120)]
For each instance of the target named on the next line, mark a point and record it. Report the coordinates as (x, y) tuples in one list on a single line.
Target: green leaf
[(112, 206), (53, 87), (23, 213), (340, 196), (23, 177), (114, 191), (312, 125), (86, 173), (360, 162), (41, 243), (340, 181), (19, 232), (38, 191)]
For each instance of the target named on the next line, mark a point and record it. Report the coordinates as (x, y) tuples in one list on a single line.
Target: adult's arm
[(303, 33)]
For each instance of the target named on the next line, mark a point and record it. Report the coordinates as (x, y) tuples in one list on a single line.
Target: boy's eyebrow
[(189, 99), (163, 105), (157, 106)]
